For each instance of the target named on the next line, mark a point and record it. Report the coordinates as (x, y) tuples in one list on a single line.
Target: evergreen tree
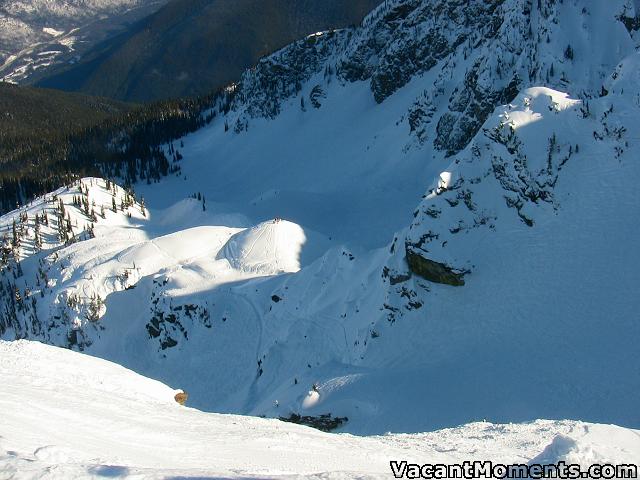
[(568, 53), (37, 242), (15, 240)]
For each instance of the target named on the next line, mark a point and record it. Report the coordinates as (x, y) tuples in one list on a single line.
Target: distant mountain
[(191, 47), (38, 34)]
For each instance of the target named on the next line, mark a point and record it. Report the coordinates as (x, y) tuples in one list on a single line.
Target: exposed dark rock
[(168, 342), (317, 94), (400, 278), (420, 117), (153, 328), (395, 277), (470, 107), (325, 422), (433, 271), (632, 24)]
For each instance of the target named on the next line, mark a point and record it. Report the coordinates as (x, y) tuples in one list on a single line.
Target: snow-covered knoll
[(471, 146), (271, 247), (68, 415)]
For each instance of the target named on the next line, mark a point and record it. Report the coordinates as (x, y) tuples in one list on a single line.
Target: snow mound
[(311, 400), (268, 248), (589, 444)]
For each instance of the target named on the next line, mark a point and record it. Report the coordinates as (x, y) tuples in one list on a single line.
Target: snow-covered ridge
[(68, 415), (47, 255), (473, 56)]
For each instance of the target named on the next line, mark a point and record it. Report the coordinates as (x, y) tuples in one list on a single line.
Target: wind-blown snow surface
[(67, 415), (521, 155)]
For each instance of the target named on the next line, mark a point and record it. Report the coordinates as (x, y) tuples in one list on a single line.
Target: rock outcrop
[(433, 271)]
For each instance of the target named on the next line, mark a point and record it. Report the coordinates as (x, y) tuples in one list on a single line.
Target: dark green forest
[(50, 138)]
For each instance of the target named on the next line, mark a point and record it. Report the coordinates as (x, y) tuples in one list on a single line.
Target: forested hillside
[(48, 138), (191, 47)]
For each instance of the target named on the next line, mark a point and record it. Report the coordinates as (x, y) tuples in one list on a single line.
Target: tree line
[(131, 146)]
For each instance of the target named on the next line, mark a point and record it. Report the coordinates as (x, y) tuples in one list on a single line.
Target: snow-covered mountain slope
[(35, 34), (67, 415), (511, 126)]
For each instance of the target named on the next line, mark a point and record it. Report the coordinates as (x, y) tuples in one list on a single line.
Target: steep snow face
[(68, 415), (312, 146), (35, 34), (470, 57), (525, 189)]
